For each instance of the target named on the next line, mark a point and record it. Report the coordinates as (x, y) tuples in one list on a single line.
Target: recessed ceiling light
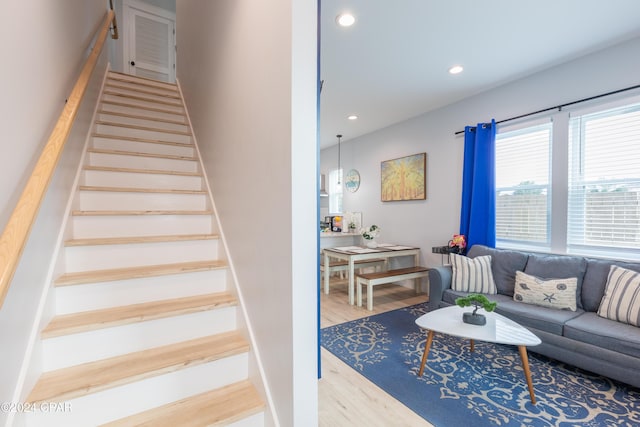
[(456, 69), (352, 117), (345, 19)]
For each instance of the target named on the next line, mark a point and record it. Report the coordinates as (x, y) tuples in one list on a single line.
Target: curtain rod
[(561, 106)]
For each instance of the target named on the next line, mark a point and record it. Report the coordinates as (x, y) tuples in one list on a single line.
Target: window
[(335, 191), (522, 186), (591, 172), (604, 182)]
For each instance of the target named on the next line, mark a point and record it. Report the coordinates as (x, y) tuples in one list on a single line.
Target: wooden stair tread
[(145, 81), (139, 89), (389, 273), (109, 275), (139, 154), (145, 128), (80, 380), (139, 117), (139, 190), (134, 170), (142, 98), (138, 239), (136, 139), (142, 107), (218, 407), (97, 319), (135, 213)]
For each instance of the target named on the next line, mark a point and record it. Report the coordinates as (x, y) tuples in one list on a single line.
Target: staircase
[(144, 332)]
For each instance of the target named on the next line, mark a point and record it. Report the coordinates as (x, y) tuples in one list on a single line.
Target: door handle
[(133, 63)]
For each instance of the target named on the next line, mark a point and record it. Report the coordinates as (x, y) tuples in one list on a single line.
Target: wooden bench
[(341, 265), (389, 276)]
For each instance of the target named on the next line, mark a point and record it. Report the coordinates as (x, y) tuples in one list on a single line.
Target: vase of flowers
[(369, 234), (457, 244)]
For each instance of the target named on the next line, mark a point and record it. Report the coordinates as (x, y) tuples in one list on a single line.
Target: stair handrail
[(16, 232)]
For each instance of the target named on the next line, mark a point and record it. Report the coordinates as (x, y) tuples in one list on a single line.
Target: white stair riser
[(75, 349), (116, 77), (113, 200), (142, 122), (141, 103), (256, 420), (141, 162), (185, 150), (158, 90), (129, 399), (95, 296), (156, 135), (140, 180), (139, 225), (127, 108), (100, 257), (142, 92)]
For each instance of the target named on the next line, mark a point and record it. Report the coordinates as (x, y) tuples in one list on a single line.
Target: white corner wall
[(433, 221), (247, 69), (45, 46)]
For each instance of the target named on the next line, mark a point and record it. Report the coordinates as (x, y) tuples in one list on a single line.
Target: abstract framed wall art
[(404, 178)]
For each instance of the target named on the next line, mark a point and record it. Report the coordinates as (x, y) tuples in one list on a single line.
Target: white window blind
[(522, 186), (604, 182), (335, 191)]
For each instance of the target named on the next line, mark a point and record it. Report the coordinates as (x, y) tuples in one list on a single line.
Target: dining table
[(351, 254)]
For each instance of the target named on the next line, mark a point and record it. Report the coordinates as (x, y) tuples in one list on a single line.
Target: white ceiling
[(392, 64)]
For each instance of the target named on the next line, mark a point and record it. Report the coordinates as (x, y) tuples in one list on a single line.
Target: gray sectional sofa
[(580, 338)]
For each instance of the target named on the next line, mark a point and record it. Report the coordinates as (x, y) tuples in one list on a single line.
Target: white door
[(151, 46)]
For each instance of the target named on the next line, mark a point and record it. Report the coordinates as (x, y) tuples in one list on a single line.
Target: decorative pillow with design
[(552, 293), (621, 300), (472, 274)]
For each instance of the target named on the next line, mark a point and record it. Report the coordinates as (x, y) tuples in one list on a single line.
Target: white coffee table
[(498, 330)]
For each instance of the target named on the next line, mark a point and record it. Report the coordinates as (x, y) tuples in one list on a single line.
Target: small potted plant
[(478, 301), (369, 234)]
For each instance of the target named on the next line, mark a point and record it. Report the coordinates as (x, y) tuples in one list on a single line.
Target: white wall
[(248, 72), (432, 222), (45, 46)]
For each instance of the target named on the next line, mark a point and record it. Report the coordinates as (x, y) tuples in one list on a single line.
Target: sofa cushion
[(621, 301), (504, 264), (595, 280), (530, 316), (552, 293), (472, 275), (593, 329), (558, 267)]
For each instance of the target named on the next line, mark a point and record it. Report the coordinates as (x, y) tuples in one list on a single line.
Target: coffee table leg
[(527, 371), (472, 345), (427, 346)]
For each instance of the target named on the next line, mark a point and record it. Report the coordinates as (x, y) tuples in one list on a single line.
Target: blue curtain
[(478, 213)]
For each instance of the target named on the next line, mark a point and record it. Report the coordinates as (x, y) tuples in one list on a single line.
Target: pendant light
[(339, 173)]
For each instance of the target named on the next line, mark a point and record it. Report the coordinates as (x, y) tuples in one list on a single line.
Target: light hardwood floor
[(346, 398)]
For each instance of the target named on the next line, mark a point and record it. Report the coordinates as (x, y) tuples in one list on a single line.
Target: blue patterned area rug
[(483, 388)]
